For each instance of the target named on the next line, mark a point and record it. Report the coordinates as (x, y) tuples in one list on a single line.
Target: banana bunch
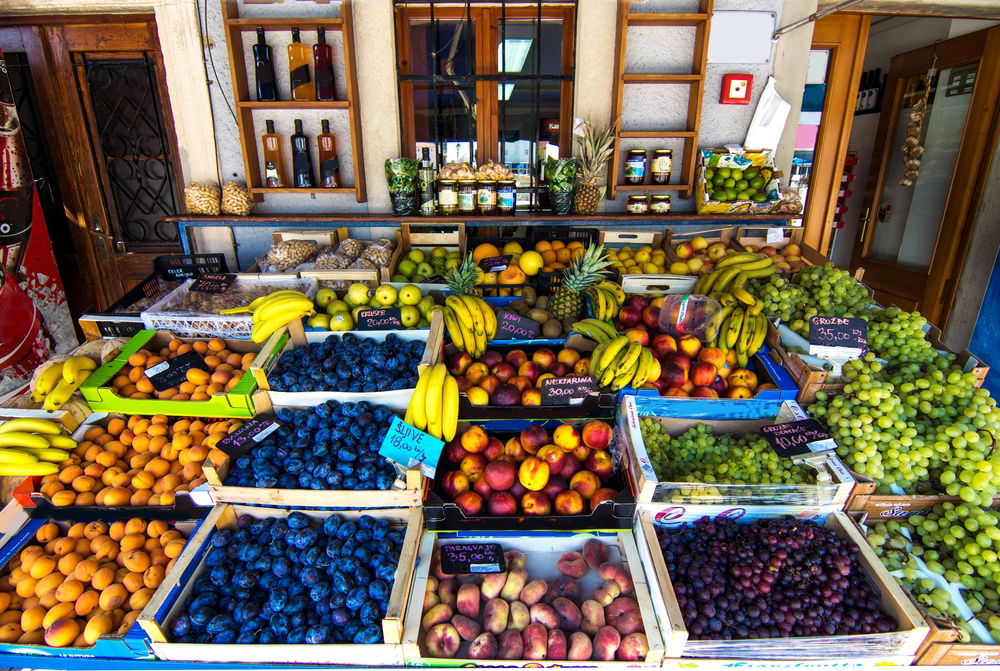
[(739, 326), (56, 381), (470, 321), (31, 446), (275, 310), (434, 406), (621, 362), (733, 272), (595, 329), (606, 298)]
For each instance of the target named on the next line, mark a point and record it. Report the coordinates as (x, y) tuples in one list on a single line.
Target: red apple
[(651, 316), (638, 334), (629, 316), (769, 250), (702, 374), (516, 357), (504, 371), (637, 301), (458, 363), (663, 344), (491, 358)]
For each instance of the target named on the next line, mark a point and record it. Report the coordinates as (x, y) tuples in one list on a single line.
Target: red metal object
[(736, 89)]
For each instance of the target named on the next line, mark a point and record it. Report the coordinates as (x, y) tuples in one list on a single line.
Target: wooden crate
[(542, 551), (169, 599), (891, 506), (757, 238), (941, 648), (913, 628), (416, 235)]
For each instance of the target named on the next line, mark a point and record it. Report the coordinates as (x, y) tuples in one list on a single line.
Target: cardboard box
[(169, 600), (649, 488), (715, 158)]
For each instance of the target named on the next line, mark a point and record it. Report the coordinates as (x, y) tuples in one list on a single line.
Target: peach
[(633, 648), (470, 503), (520, 615), (688, 344), (623, 614), (475, 439), (704, 392), (580, 647), (430, 600), (607, 592), (606, 642), (544, 357), (673, 375), (458, 363), (553, 456), (477, 396), (454, 483), (676, 391), (467, 600), (536, 641), (601, 464), (531, 396), (568, 356), (593, 617), (521, 383), (545, 615), (712, 355), (597, 434), (663, 344), (639, 335), (533, 473), (454, 452), (581, 453), (567, 437), (496, 614), (586, 483), (702, 374), (595, 553), (466, 627), (512, 448), (477, 372), (491, 358), (569, 613), (489, 384), (651, 316), (492, 585), (442, 640), (473, 466), (571, 467), (516, 580), (533, 438), (542, 378), (572, 564), (481, 487), (569, 502), (741, 377), (442, 612), (560, 369), (536, 503), (616, 572), (530, 370), (485, 646), (557, 483), (738, 392), (515, 559), (511, 645), (582, 367), (501, 504), (516, 357), (557, 645), (504, 371), (562, 586), (533, 592), (500, 475), (448, 592)]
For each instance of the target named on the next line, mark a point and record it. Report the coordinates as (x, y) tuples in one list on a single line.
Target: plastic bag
[(689, 314)]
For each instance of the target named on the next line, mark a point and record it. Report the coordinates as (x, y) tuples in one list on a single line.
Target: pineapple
[(593, 155), (463, 278), (583, 273)]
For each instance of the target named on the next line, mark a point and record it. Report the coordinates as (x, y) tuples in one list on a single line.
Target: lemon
[(530, 262), (679, 268), (642, 256), (512, 248), (650, 268)]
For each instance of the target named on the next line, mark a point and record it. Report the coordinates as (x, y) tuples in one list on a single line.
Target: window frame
[(486, 19)]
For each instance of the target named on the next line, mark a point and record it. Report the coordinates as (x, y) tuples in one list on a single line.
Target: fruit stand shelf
[(656, 19), (652, 187), (250, 24), (293, 104), (646, 78), (290, 189), (657, 134), (322, 220)]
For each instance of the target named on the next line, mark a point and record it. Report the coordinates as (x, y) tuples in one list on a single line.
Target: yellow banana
[(747, 330), (489, 318), (643, 370), (453, 327), (760, 332), (761, 272), (607, 328), (595, 357), (722, 298), (622, 381), (417, 409), (461, 312), (10, 456), (654, 370), (449, 417), (62, 442), (280, 306), (31, 425), (733, 329), (743, 296), (433, 399), (756, 308), (262, 330), (47, 380), (765, 262), (476, 311), (608, 374), (37, 468), (629, 359), (21, 439), (726, 276), (63, 391), (613, 349), (73, 365), (51, 454), (260, 300), (742, 257), (615, 289), (480, 340), (704, 283)]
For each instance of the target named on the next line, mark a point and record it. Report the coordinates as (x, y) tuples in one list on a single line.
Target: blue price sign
[(409, 446)]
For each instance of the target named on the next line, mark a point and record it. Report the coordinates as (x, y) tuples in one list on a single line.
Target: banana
[(62, 442), (726, 276), (281, 305), (760, 332), (654, 370), (738, 281), (608, 374), (449, 416), (720, 336), (644, 368), (51, 454), (765, 262), (607, 328), (747, 330), (38, 468), (613, 350), (476, 311), (9, 456), (21, 439), (623, 380), (434, 399), (262, 330), (63, 391), (732, 331), (480, 339), (629, 359), (722, 298), (453, 327), (461, 312), (756, 308), (743, 296), (715, 323), (742, 359), (31, 425), (489, 317), (47, 380), (417, 409), (73, 365), (605, 304), (742, 257), (591, 331), (257, 302), (761, 272), (595, 357), (614, 288), (704, 283)]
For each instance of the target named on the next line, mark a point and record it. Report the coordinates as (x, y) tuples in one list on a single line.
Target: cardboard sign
[(567, 390), (242, 439), (172, 372), (410, 446), (494, 264), (775, 234), (512, 326), (213, 283), (849, 334), (461, 558), (380, 319), (804, 436)]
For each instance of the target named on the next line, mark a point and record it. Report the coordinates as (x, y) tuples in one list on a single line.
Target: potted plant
[(595, 148), (560, 173), (401, 175)]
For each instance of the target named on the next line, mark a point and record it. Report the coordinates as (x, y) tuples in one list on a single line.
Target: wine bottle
[(329, 165), (301, 163), (298, 69), (274, 163), (323, 65), (264, 69)]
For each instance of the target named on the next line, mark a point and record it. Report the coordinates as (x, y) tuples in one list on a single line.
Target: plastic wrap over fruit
[(688, 314)]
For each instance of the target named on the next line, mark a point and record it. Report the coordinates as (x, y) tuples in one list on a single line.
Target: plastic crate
[(565, 233)]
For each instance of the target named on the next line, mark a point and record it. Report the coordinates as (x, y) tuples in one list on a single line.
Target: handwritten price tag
[(844, 337), (804, 436), (473, 558), (248, 435), (409, 446), (172, 372), (567, 390), (494, 264), (511, 326), (380, 319), (213, 284)]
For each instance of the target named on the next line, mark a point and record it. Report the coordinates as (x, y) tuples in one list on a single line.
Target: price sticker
[(248, 435), (804, 436), (213, 283), (380, 319), (511, 326), (409, 446), (775, 234), (838, 337), (172, 372), (462, 558), (567, 390), (494, 264)]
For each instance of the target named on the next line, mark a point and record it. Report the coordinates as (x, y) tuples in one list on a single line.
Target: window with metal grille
[(487, 81)]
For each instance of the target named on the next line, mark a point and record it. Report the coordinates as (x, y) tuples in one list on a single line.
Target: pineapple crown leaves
[(462, 278), (587, 269), (595, 149)]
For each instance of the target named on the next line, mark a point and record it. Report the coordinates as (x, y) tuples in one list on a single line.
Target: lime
[(742, 185), (750, 173), (719, 180), (725, 172), (757, 182), (729, 183), (759, 198), (737, 174), (743, 195), (709, 173), (730, 194)]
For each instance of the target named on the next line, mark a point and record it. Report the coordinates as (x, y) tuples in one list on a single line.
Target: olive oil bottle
[(302, 173), (298, 69)]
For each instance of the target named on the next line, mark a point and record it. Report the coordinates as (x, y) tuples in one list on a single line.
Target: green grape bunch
[(814, 291)]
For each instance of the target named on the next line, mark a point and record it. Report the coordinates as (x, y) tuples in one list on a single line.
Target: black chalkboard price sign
[(172, 372), (380, 319), (848, 333), (494, 264), (462, 558), (242, 439), (213, 283), (511, 326), (805, 436), (567, 390)]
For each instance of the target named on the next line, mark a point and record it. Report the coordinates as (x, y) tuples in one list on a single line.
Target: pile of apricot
[(137, 461), (76, 584), (224, 371)]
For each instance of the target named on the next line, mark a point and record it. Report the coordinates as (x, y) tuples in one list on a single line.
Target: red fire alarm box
[(736, 89)]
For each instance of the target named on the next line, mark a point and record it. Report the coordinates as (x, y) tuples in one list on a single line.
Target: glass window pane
[(521, 121), (519, 49), (453, 41), (448, 117)]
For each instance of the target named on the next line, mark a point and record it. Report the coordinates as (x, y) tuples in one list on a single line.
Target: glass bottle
[(486, 197), (301, 163), (660, 204), (507, 196), (298, 69), (329, 164), (663, 161), (637, 204), (448, 196), (323, 65), (425, 176), (275, 176), (264, 69)]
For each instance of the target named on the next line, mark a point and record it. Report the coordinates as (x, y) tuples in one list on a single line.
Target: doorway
[(102, 146)]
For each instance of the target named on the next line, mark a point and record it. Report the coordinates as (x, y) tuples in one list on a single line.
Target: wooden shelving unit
[(695, 80), (235, 27)]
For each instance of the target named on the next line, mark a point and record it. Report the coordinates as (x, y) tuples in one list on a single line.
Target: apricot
[(49, 583), (48, 599), (85, 570), (62, 632), (157, 528), (143, 480), (83, 483), (117, 496), (136, 560), (94, 529), (158, 467), (153, 576), (133, 581), (31, 619), (94, 470), (87, 602), (70, 473), (93, 432), (174, 548), (140, 498), (49, 490), (82, 547), (159, 557), (5, 596), (65, 497), (113, 596), (47, 532), (9, 616), (68, 562), (151, 544), (107, 552), (85, 499), (56, 612), (70, 590), (36, 637), (10, 632), (42, 566), (103, 578)]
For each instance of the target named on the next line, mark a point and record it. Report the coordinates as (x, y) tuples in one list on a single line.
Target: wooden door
[(914, 238), (101, 95)]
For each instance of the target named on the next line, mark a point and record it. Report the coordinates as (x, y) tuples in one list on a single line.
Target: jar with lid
[(663, 161), (637, 204), (660, 204), (447, 196), (506, 196), (635, 166), (467, 196), (486, 197)]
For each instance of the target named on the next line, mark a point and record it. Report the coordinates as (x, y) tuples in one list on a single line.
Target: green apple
[(324, 297), (451, 263), (357, 294), (425, 305), (337, 306), (425, 269), (416, 255), (423, 323), (439, 253), (453, 255), (406, 267), (400, 278), (342, 321), (320, 321), (386, 294), (409, 315), (410, 294)]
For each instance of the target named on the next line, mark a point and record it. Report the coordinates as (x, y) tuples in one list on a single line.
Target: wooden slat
[(648, 78), (657, 133), (652, 187), (664, 19), (304, 23), (350, 72), (617, 93), (293, 104), (291, 189)]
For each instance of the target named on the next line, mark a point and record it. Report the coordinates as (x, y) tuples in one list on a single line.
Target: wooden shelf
[(652, 187), (290, 189), (247, 25), (293, 104), (528, 218), (644, 78), (664, 19), (626, 134)]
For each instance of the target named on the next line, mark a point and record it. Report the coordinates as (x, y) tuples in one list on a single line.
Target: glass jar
[(663, 162), (447, 196), (467, 196), (507, 196), (486, 197), (637, 204), (660, 205), (635, 166)]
